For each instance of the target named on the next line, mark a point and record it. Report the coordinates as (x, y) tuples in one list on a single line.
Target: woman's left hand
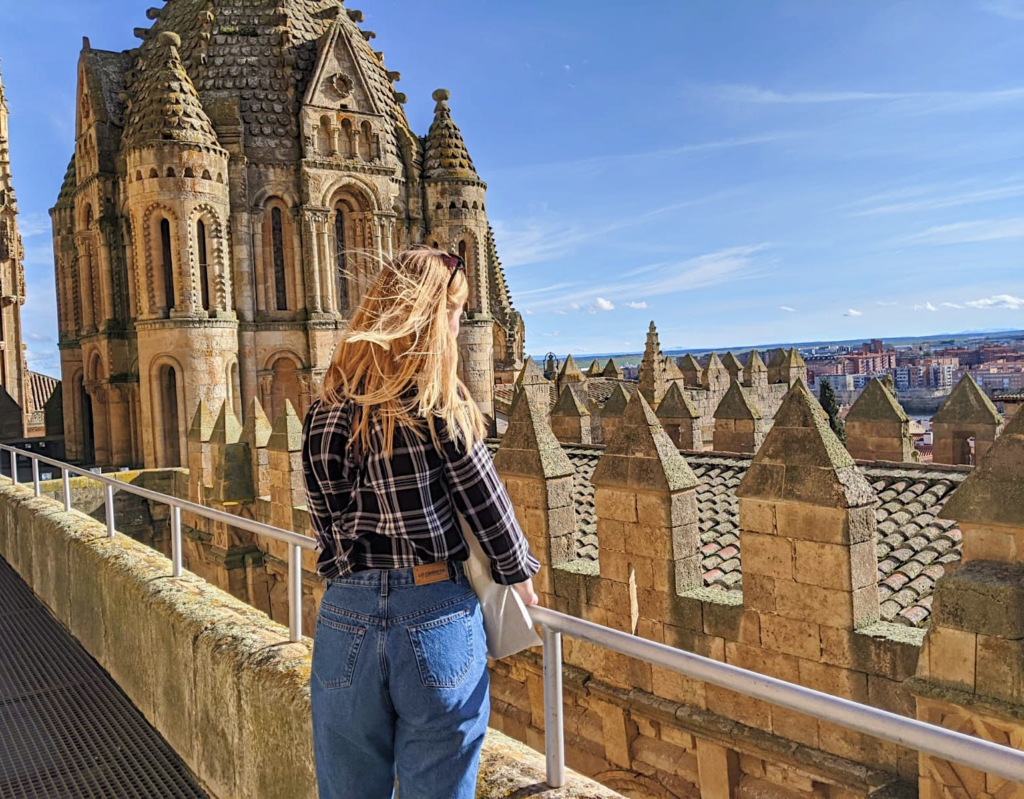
[(526, 592)]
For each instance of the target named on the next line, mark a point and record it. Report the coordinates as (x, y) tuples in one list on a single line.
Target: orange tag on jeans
[(430, 573)]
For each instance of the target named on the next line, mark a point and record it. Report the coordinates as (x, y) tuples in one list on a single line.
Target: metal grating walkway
[(66, 729)]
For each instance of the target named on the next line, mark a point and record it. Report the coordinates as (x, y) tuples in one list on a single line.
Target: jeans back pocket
[(445, 649), (335, 651)]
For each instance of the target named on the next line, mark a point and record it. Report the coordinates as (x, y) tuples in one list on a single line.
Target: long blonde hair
[(398, 359)]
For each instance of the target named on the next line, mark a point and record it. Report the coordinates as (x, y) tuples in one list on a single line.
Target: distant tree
[(827, 398)]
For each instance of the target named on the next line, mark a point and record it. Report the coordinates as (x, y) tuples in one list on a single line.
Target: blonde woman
[(392, 450)]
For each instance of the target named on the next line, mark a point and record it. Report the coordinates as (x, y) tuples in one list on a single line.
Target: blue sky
[(739, 172)]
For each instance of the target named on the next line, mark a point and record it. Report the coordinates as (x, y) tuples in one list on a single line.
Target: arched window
[(341, 273), (189, 173), (285, 386), (153, 173), (323, 136), (366, 142), (204, 264), (277, 253), (166, 259), (167, 421), (346, 139)]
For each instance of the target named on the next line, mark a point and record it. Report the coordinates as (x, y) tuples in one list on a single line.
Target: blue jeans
[(399, 687)]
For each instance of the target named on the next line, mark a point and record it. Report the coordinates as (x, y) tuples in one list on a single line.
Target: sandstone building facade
[(14, 406), (236, 183)]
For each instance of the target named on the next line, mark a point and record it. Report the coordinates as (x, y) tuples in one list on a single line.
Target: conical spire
[(611, 369), (876, 404), (445, 155), (6, 187), (755, 366), (616, 403), (529, 446), (733, 366), (991, 494), (595, 369), (823, 474), (226, 430), (257, 428), (286, 435), (202, 424), (570, 372), (530, 374), (691, 370), (967, 403), (641, 454), (569, 404), (164, 103), (736, 405), (676, 405)]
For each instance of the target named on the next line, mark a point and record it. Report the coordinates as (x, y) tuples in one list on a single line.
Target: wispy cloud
[(947, 201), (1005, 301), (601, 304), (926, 307), (951, 305), (853, 312), (669, 277), (967, 232), (542, 239), (787, 309), (1007, 9), (637, 306), (919, 101), (886, 303)]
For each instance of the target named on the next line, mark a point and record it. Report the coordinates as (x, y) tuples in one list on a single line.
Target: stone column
[(967, 413), (612, 412), (680, 419), (738, 423), (287, 489), (538, 477), (200, 466), (646, 503), (476, 363), (312, 270), (119, 399), (570, 419), (877, 428), (256, 433), (970, 675)]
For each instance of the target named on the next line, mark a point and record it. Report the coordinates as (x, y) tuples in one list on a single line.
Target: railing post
[(65, 478), (110, 511), (295, 592), (554, 732), (35, 478), (175, 541), (14, 466)]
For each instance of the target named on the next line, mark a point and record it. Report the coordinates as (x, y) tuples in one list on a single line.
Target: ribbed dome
[(446, 157), (262, 53), (165, 105)]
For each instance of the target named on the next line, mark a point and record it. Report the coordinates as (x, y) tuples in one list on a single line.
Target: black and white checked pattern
[(395, 513)]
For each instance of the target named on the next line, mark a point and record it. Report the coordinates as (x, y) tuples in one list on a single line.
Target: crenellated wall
[(820, 540)]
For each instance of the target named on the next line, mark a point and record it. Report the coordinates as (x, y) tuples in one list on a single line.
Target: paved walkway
[(66, 729)]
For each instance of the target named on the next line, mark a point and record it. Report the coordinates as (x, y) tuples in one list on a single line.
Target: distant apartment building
[(873, 363)]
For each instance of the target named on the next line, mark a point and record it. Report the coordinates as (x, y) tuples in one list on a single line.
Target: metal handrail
[(992, 758), (296, 542)]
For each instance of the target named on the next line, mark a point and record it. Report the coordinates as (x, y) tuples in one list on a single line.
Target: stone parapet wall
[(219, 680)]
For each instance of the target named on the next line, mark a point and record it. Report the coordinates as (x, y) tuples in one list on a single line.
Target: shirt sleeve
[(482, 499), (325, 472)]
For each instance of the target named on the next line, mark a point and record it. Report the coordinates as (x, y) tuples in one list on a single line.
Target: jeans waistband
[(396, 578)]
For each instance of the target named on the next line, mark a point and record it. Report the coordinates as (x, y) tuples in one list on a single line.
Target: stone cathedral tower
[(13, 384), (237, 180)]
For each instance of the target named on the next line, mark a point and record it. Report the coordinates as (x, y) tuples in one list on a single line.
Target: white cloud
[(527, 312), (926, 307), (1005, 301), (885, 304), (969, 232), (637, 306), (553, 334), (603, 305), (787, 309), (951, 305), (853, 312), (34, 224), (33, 336)]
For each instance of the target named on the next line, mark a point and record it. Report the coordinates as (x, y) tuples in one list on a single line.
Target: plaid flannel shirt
[(395, 513)]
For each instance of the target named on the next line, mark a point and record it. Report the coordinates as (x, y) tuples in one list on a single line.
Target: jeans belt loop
[(383, 582)]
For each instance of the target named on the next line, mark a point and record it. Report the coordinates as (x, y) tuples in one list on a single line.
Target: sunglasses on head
[(454, 262)]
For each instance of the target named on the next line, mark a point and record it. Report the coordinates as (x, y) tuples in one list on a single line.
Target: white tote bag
[(506, 620)]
